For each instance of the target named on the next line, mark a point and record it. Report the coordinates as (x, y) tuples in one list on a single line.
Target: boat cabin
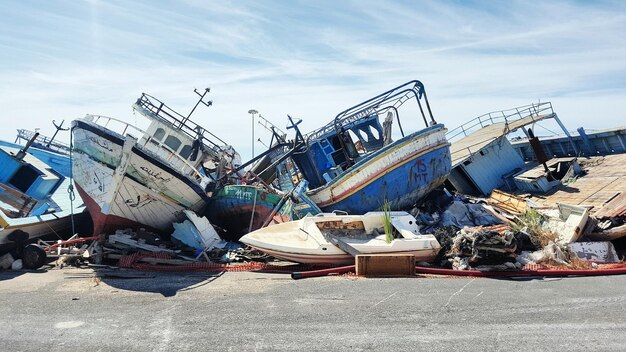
[(336, 150), (26, 181), (356, 132), (170, 132)]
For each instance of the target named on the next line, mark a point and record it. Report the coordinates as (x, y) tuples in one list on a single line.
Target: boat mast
[(207, 103), (59, 127)]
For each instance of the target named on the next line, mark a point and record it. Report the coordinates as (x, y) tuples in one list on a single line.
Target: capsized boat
[(34, 199), (329, 238), (50, 150), (353, 165), (146, 178)]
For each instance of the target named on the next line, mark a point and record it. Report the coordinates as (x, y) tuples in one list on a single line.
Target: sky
[(61, 60)]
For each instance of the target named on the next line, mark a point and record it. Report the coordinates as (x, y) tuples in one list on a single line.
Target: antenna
[(205, 103), (59, 127)]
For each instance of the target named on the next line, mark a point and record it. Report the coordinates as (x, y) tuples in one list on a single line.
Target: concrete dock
[(113, 310)]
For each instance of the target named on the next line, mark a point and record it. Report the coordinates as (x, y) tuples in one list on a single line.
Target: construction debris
[(568, 221), (615, 208), (508, 203), (603, 252)]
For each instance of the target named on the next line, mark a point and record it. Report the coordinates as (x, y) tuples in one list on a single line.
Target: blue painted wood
[(401, 186), (58, 162)]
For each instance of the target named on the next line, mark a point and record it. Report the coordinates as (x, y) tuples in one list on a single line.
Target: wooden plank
[(613, 208), (339, 242), (609, 235), (17, 199), (507, 202), (385, 264)]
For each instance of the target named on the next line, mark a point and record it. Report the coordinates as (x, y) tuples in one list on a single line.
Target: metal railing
[(507, 116), (43, 141), (158, 110), (189, 171), (380, 104)]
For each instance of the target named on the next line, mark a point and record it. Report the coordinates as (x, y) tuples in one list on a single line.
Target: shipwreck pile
[(508, 232)]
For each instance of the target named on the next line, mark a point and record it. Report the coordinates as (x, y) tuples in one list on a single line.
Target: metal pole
[(252, 112), (569, 136)]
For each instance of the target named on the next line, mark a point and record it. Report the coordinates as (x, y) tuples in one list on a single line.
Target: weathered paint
[(401, 173), (146, 193), (234, 205), (487, 167), (589, 143), (58, 162)]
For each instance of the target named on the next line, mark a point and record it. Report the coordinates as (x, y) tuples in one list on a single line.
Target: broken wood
[(507, 202), (608, 235)]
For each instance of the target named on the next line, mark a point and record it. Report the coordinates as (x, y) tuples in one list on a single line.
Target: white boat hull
[(302, 241), (123, 185)]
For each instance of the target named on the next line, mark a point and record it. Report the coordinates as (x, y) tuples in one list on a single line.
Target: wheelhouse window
[(185, 152), (173, 142), (159, 134)]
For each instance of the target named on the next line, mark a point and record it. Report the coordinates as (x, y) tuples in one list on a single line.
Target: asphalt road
[(63, 310)]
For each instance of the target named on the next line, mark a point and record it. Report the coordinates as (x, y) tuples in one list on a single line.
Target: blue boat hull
[(402, 183), (58, 162), (402, 187)]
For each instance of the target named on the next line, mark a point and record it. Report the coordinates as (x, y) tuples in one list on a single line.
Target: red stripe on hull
[(107, 223), (347, 193)]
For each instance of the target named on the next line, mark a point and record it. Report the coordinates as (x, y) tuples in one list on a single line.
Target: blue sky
[(311, 59)]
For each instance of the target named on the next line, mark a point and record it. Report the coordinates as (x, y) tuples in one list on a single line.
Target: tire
[(33, 256)]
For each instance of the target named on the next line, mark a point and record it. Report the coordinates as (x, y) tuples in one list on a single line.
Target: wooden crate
[(385, 264)]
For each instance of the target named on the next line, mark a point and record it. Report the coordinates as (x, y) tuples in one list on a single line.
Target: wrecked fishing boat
[(243, 208), (353, 165), (265, 194), (50, 150), (336, 239), (138, 178), (34, 200)]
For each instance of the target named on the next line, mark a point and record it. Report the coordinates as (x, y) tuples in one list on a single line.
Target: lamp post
[(252, 112)]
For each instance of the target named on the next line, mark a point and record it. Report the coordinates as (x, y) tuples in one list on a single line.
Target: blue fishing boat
[(50, 150), (34, 200), (353, 165)]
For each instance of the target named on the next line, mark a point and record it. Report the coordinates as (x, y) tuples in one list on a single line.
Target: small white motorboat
[(336, 239)]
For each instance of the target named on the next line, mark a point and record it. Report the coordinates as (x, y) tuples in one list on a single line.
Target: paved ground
[(62, 310)]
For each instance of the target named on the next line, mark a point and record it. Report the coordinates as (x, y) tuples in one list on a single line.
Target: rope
[(253, 210), (70, 188)]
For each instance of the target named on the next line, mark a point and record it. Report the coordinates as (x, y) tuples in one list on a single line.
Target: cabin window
[(375, 132), (173, 142), (353, 135), (186, 151), (159, 134), (364, 135)]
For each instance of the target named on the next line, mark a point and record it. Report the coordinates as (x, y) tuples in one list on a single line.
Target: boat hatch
[(34, 182), (24, 177)]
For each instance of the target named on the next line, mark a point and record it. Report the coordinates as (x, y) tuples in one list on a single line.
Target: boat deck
[(465, 147), (605, 180)]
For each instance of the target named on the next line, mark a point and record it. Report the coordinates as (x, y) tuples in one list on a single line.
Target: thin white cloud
[(309, 59)]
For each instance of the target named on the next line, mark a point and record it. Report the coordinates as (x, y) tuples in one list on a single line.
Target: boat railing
[(380, 104), (172, 157), (46, 142), (531, 111), (160, 111)]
